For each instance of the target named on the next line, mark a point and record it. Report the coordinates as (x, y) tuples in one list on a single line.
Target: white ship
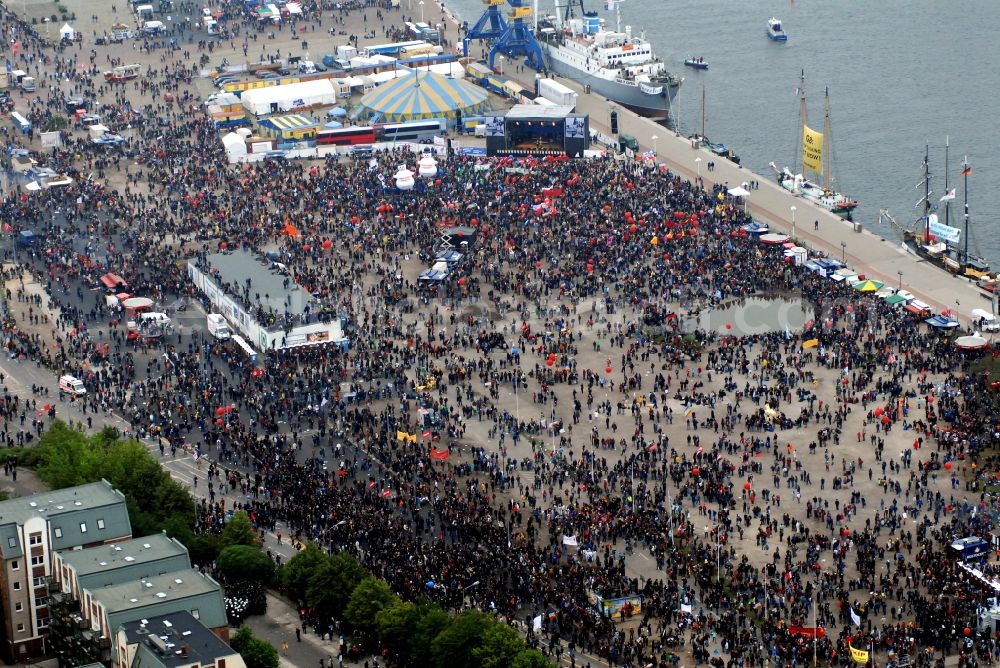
[(615, 64)]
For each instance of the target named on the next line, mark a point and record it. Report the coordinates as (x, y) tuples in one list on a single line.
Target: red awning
[(113, 281)]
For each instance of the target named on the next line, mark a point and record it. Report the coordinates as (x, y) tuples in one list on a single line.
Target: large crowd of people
[(596, 449)]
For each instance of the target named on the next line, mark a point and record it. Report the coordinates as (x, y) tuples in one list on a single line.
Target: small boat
[(697, 63), (775, 31)]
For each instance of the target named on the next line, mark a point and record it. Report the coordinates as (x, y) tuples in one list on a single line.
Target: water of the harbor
[(901, 74)]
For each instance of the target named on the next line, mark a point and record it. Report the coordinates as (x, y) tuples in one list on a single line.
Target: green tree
[(256, 653), (431, 620), (396, 624), (333, 583), (300, 569), (453, 646), (531, 658), (369, 597), (238, 531), (500, 644), (68, 460), (243, 562)]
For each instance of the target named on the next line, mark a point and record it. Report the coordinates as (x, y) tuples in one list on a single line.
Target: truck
[(627, 143), (28, 84), (123, 73), (969, 549), (556, 92), (218, 327)]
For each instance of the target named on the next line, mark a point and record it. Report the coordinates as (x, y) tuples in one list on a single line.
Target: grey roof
[(236, 267), (109, 565), (66, 509), (529, 112), (181, 590), (177, 632)]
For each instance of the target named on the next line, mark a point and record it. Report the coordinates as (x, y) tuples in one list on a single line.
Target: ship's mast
[(947, 203), (966, 170), (927, 194), (703, 112), (827, 142), (802, 120)]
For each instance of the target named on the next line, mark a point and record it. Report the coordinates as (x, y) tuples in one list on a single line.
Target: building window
[(15, 565), (83, 527), (100, 523), (43, 622), (35, 539), (58, 532), (18, 606), (12, 541), (196, 614), (38, 560), (20, 628), (38, 582), (17, 586), (40, 602)]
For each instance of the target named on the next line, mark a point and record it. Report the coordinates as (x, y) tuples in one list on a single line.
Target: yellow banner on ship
[(812, 149), (859, 655)]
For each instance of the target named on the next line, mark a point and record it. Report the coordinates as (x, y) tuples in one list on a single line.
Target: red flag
[(808, 631), (371, 485), (652, 447), (966, 171), (386, 494), (425, 434), (440, 455)]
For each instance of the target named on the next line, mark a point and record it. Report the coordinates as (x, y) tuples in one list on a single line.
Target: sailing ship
[(720, 150), (615, 64), (815, 158), (939, 243)]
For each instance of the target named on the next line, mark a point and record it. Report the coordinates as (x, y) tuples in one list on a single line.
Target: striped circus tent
[(421, 96)]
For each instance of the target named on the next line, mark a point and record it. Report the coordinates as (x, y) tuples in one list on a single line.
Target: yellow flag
[(812, 149), (859, 655), (413, 438), (400, 436), (810, 343)]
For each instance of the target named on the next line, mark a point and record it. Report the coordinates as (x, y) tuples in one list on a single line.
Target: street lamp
[(900, 272), (843, 248), (697, 163), (421, 3), (501, 59), (793, 208), (654, 138)]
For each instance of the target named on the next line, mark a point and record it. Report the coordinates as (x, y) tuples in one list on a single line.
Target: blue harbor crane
[(511, 39)]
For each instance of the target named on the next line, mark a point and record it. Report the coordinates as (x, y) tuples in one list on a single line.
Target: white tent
[(67, 32), (273, 99), (235, 146)]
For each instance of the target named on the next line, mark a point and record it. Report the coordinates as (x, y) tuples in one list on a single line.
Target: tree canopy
[(69, 457), (256, 653)]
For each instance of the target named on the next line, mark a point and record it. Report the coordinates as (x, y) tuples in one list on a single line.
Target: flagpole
[(815, 630)]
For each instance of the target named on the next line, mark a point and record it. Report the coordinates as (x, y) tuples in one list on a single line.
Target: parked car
[(266, 75), (109, 138)]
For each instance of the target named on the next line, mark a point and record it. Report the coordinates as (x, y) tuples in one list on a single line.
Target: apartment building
[(32, 530), (174, 640)]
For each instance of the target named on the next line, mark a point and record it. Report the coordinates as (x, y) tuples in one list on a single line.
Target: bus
[(346, 136), (391, 49), (413, 131)]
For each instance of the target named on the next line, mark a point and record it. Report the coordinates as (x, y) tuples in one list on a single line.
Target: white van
[(984, 321), (71, 385)]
